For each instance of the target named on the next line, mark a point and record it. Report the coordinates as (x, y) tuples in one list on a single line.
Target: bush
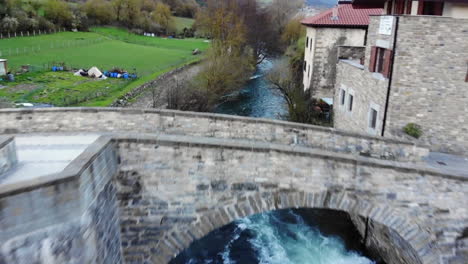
[(9, 24), (413, 130)]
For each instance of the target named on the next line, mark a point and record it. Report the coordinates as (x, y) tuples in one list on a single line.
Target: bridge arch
[(409, 243)]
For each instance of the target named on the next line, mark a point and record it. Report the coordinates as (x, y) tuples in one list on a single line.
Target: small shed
[(3, 67)]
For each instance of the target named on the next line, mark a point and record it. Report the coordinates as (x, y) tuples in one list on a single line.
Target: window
[(373, 119), (399, 7), (308, 74), (430, 8), (311, 41), (389, 7), (466, 77), (350, 102), (381, 61), (343, 96), (409, 6), (305, 65), (307, 42)]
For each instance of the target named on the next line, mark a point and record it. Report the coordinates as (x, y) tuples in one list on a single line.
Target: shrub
[(9, 24), (413, 130)]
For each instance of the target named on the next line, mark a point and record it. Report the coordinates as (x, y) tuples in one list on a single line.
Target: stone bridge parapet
[(205, 125)]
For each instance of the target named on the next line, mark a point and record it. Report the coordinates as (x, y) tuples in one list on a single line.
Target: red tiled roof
[(347, 17)]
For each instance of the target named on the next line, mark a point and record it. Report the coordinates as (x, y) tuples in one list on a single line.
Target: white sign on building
[(386, 25)]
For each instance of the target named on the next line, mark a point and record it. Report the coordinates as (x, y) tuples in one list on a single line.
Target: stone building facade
[(340, 26), (415, 71)]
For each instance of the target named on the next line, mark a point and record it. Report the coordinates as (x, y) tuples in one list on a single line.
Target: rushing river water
[(258, 99), (279, 237)]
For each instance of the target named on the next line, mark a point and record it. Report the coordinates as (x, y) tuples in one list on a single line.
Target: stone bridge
[(156, 180)]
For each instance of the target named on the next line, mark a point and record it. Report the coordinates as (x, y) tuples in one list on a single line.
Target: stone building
[(414, 71), (341, 25)]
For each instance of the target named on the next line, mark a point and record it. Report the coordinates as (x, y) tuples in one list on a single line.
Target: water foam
[(283, 242)]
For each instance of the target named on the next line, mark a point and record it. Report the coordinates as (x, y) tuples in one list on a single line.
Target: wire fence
[(50, 45), (4, 35)]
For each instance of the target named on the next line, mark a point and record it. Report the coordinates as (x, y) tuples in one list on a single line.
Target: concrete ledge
[(70, 173)]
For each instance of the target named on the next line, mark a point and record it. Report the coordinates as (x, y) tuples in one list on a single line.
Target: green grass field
[(105, 48), (183, 22)]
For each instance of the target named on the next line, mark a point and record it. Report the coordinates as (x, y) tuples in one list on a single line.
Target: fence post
[(34, 32), (21, 33), (8, 34), (28, 33)]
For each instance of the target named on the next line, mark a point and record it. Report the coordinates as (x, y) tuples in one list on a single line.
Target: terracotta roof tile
[(347, 17)]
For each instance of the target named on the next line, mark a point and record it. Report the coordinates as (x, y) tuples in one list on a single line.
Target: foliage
[(293, 31), (100, 11), (148, 15), (9, 24), (229, 62), (413, 130), (58, 12), (163, 16)]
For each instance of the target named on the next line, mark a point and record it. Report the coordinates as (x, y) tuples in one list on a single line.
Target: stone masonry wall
[(368, 91), (8, 157), (173, 191), (324, 56), (429, 85), (124, 100), (70, 217), (208, 125), (351, 53), (383, 243)]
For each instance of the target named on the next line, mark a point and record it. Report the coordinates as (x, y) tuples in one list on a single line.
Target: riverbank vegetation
[(243, 34)]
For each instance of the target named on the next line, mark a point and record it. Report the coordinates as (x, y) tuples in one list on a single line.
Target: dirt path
[(145, 100)]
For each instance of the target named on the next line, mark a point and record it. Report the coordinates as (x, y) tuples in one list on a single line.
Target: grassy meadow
[(105, 48)]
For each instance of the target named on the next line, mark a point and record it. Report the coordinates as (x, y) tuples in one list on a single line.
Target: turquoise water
[(259, 98), (282, 237)]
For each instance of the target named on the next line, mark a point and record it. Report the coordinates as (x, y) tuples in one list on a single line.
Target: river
[(279, 237), (259, 98)]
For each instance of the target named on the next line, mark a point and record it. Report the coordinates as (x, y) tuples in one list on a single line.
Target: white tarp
[(3, 70), (78, 73), (94, 72)]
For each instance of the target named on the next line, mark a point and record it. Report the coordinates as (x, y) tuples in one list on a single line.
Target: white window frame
[(376, 107)]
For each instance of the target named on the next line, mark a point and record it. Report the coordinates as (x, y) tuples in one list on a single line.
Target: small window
[(466, 77), (307, 42), (305, 65), (373, 118), (430, 8), (311, 41), (343, 97), (380, 60), (308, 74), (350, 102)]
